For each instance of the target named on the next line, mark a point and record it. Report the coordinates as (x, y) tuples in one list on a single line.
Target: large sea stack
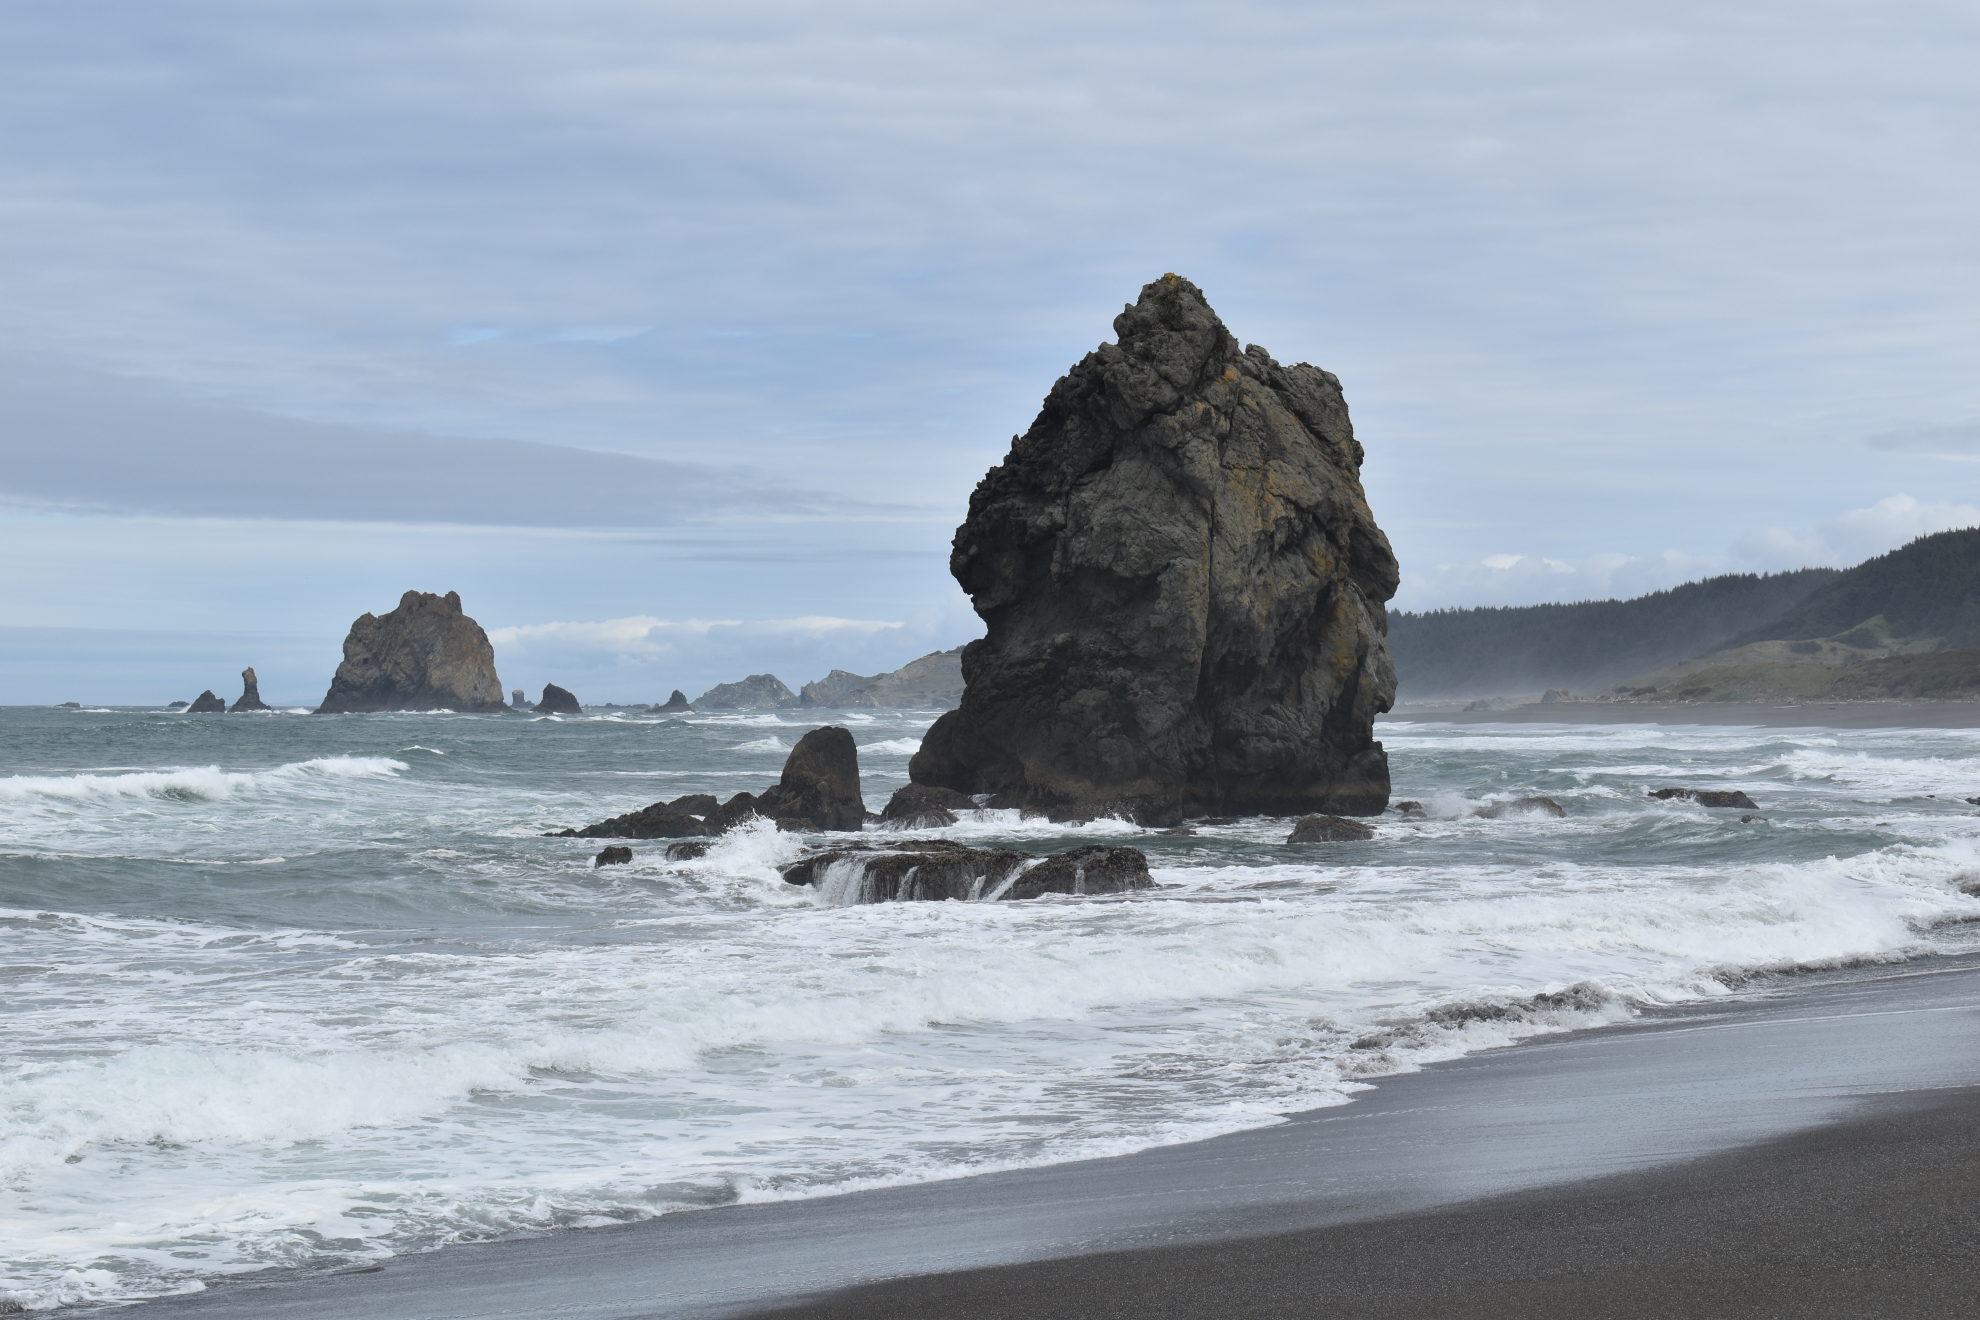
[(424, 655), (250, 693), (1183, 587)]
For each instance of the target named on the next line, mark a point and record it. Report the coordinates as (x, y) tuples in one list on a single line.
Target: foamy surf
[(346, 1001)]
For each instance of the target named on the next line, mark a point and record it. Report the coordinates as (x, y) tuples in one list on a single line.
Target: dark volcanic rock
[(922, 807), (757, 692), (695, 804), (676, 702), (250, 692), (557, 701), (942, 870), (1183, 587), (1525, 806), (687, 850), (613, 857), (738, 810), (1328, 829), (424, 655), (1708, 797), (658, 821), (207, 704), (820, 787)]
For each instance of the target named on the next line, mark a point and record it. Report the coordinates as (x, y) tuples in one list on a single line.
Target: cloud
[(1960, 442), (1856, 535)]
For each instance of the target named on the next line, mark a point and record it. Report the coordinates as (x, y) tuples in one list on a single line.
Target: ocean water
[(308, 991)]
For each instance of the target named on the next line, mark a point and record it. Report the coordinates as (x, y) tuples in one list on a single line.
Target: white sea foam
[(467, 1031), (894, 747), (763, 745)]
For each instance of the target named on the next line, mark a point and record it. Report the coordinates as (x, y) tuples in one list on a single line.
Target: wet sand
[(1863, 1181), (1751, 714)]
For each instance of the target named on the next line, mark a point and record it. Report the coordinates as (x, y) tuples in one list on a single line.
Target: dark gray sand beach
[(1805, 1148)]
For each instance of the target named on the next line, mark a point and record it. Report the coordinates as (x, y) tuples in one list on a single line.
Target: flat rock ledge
[(1328, 829), (1708, 797), (939, 870)]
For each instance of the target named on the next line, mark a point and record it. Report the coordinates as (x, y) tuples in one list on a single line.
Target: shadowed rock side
[(250, 693), (207, 704), (557, 701), (1183, 587), (424, 655), (940, 870)]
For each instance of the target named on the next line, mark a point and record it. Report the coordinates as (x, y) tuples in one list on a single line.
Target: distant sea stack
[(250, 693), (676, 702), (757, 692), (424, 655), (1184, 590), (557, 701), (207, 704)]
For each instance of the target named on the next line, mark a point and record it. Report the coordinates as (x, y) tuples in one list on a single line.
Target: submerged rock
[(613, 857), (424, 655), (923, 807), (1328, 829), (864, 873), (250, 693), (1183, 588), (1708, 797), (757, 692), (1525, 806), (676, 702), (557, 701), (207, 704)]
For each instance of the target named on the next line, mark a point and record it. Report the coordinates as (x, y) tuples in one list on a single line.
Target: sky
[(674, 337)]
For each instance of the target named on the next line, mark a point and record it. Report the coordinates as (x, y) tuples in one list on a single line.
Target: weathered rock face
[(517, 700), (659, 821), (557, 701), (424, 655), (934, 682), (250, 692), (612, 857), (1709, 797), (941, 870), (207, 704), (820, 787), (757, 692), (678, 701), (1183, 587)]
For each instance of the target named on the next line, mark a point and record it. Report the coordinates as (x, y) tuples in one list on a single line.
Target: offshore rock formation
[(207, 704), (424, 655), (1328, 829), (677, 702), (757, 692), (250, 693), (934, 682), (557, 701), (941, 870), (819, 791), (920, 807), (1183, 587)]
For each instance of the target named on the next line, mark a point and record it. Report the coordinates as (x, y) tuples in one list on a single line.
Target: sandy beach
[(1801, 1149), (1763, 715)]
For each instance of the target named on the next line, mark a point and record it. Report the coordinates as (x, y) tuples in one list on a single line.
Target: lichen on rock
[(1183, 588)]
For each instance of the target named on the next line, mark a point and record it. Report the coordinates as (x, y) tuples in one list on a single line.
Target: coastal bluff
[(424, 655), (1184, 591)]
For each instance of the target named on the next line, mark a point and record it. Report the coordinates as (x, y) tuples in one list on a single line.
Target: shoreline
[(1745, 714), (1675, 1087)]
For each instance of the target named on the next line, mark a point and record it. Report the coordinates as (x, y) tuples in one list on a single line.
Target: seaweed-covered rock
[(864, 873), (1328, 829), (1183, 590), (250, 693), (207, 704), (1708, 797), (557, 701), (424, 655)]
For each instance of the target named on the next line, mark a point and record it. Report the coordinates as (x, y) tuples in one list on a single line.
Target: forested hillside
[(1588, 646), (1929, 588)]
